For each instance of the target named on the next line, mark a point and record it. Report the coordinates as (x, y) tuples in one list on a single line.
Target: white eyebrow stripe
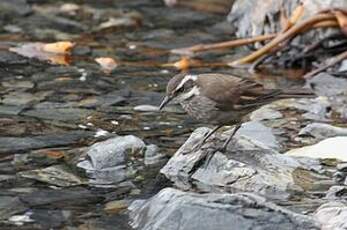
[(185, 79), (193, 92)]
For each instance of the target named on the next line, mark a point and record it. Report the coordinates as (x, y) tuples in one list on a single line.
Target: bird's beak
[(165, 101)]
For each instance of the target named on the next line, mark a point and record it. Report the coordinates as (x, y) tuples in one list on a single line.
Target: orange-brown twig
[(283, 37), (221, 45)]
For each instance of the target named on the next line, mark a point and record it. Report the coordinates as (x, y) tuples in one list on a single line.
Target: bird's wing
[(234, 93)]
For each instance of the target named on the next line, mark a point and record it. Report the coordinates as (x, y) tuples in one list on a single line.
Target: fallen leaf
[(58, 47), (107, 64), (297, 13), (55, 53), (182, 64)]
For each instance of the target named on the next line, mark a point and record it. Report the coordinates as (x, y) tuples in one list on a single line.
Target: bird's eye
[(180, 90)]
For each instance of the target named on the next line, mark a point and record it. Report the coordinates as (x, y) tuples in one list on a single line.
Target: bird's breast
[(206, 110)]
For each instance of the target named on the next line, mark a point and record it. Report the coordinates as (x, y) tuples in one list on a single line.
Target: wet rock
[(331, 148), (342, 167), (11, 110), (50, 219), (334, 89), (153, 156), (17, 144), (259, 132), (115, 23), (20, 220), (14, 7), (10, 206), (248, 165), (336, 192), (314, 109), (18, 84), (58, 175), (174, 209), (332, 215), (254, 18), (107, 160), (60, 198), (146, 108), (65, 114), (116, 206), (21, 99), (325, 84), (320, 131), (265, 113)]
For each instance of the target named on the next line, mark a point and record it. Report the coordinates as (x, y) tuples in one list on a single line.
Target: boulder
[(172, 209)]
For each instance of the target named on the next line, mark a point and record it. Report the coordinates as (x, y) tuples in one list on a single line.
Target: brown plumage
[(220, 99)]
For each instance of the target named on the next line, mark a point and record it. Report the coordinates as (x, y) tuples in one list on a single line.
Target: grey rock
[(17, 7), (65, 114), (60, 198), (325, 84), (336, 192), (321, 131), (259, 132), (265, 113), (153, 156), (106, 161), (173, 209), (253, 18), (58, 175), (21, 99), (146, 108), (16, 144), (18, 84), (11, 110), (10, 206), (315, 109), (342, 167), (332, 215), (248, 165), (334, 88)]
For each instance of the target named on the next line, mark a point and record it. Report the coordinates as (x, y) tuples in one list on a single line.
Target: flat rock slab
[(331, 148), (18, 144), (172, 209), (60, 198), (248, 165), (10, 206)]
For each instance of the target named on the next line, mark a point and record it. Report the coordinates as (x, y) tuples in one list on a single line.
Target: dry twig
[(283, 37)]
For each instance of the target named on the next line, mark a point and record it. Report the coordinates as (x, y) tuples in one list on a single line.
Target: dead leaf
[(297, 13), (58, 47), (55, 53), (107, 64), (182, 64)]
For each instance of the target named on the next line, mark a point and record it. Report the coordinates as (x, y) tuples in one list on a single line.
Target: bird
[(221, 99)]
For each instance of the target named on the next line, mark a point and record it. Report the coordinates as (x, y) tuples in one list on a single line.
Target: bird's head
[(181, 87)]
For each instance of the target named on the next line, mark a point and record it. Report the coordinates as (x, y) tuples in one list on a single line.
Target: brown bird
[(221, 99)]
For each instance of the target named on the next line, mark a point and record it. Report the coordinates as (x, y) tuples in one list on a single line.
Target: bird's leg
[(226, 143), (206, 136), (224, 147)]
